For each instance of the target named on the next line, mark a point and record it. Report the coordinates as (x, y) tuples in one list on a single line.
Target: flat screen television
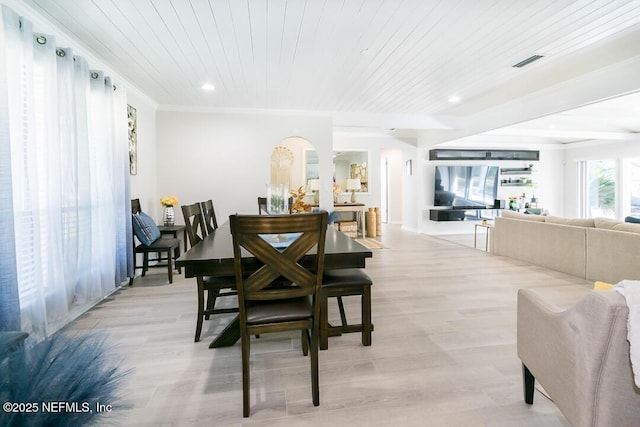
[(465, 186)]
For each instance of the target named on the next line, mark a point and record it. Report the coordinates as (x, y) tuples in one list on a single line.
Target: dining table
[(213, 256)]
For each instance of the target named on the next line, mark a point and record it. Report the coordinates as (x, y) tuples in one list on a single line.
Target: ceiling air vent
[(527, 61)]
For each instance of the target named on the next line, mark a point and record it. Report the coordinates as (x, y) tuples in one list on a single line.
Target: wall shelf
[(462, 154), (527, 183), (515, 171)]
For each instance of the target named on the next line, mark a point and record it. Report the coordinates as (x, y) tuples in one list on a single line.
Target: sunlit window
[(600, 191), (633, 170)]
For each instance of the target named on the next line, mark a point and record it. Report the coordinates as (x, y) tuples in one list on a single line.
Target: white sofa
[(593, 249)]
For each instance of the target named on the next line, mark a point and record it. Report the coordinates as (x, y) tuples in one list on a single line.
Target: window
[(633, 187), (598, 185)]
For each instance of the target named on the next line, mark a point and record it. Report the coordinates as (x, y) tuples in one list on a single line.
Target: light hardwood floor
[(443, 353)]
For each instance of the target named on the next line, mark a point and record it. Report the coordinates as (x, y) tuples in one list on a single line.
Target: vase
[(277, 200), (169, 216)]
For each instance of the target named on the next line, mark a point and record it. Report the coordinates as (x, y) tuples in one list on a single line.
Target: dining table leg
[(229, 335)]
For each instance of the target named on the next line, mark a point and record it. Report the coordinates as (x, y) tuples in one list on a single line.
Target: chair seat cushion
[(164, 243), (260, 312), (345, 277), (145, 228)]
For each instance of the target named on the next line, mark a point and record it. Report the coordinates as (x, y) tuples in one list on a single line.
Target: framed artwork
[(132, 119)]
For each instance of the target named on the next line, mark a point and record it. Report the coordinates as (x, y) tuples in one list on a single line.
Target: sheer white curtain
[(69, 179)]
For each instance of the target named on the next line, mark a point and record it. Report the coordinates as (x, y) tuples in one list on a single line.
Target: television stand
[(459, 213)]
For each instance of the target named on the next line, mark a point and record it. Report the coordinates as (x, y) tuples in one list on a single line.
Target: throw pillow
[(628, 227), (602, 286), (145, 228)]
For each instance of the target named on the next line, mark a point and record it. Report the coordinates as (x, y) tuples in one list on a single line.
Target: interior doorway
[(384, 189)]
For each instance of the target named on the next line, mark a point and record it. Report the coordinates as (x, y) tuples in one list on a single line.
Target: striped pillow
[(145, 228)]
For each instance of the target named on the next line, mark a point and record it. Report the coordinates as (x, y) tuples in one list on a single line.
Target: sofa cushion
[(577, 222), (526, 217), (628, 227), (606, 223), (145, 228), (633, 219)]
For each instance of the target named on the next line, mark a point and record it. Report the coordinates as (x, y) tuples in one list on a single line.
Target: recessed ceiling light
[(454, 99), (208, 87)]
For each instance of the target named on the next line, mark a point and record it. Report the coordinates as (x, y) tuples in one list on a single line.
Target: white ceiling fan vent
[(528, 61)]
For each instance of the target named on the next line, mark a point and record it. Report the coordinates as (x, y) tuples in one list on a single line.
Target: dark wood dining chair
[(209, 213), (209, 288), (340, 283), (281, 295), (170, 246)]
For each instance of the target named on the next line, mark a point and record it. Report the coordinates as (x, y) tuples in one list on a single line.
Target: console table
[(459, 213), (358, 211)]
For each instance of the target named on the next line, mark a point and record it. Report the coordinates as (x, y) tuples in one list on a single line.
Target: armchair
[(580, 356)]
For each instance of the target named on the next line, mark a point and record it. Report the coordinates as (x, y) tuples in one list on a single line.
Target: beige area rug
[(371, 243)]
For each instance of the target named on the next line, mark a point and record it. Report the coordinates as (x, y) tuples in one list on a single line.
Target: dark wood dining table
[(214, 257)]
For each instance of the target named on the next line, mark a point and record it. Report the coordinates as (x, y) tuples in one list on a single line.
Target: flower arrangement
[(298, 201), (336, 191), (169, 201)]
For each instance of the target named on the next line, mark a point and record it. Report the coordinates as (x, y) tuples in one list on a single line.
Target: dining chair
[(151, 241), (213, 287), (340, 283), (282, 294), (209, 213)]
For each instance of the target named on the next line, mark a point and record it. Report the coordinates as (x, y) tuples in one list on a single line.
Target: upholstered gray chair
[(580, 356)]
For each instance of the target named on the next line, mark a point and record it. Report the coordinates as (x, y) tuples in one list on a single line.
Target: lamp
[(353, 184), (314, 186)]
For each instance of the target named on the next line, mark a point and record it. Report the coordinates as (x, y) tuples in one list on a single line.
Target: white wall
[(144, 183), (226, 157)]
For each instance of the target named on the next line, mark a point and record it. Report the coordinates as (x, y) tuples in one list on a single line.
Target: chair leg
[(246, 391), (315, 382), (304, 338), (528, 383), (145, 263), (343, 316), (135, 256), (324, 320), (200, 311), (366, 315), (170, 265), (212, 295), (176, 254)]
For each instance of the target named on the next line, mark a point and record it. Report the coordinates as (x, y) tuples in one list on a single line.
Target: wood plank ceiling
[(395, 57)]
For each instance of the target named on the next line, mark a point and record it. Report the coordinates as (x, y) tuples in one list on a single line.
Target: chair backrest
[(278, 242), (135, 206), (262, 206), (194, 222), (209, 215)]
